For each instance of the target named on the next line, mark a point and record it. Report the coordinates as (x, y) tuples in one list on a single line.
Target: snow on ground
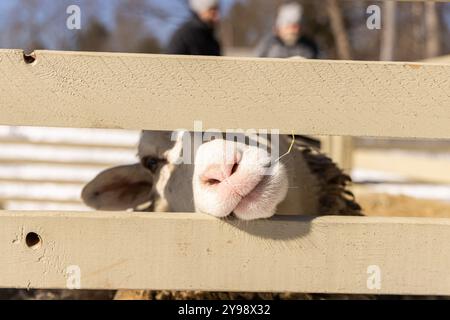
[(397, 185), (363, 175)]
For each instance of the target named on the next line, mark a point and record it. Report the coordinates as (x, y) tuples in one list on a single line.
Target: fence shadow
[(275, 228)]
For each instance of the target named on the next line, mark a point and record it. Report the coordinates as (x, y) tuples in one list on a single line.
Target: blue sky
[(177, 15), (177, 12), (162, 29)]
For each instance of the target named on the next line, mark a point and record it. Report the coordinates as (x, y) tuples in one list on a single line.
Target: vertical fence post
[(340, 149)]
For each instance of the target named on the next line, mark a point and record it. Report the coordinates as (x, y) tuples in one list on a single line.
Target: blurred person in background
[(197, 35), (287, 40)]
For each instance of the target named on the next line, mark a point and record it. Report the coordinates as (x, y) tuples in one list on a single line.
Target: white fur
[(251, 177)]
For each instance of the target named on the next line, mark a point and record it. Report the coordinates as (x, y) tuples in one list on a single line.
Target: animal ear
[(119, 188)]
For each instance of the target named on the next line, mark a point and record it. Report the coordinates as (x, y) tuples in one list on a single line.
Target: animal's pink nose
[(232, 179), (216, 173)]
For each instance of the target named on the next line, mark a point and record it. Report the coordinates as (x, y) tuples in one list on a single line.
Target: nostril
[(216, 173), (235, 167)]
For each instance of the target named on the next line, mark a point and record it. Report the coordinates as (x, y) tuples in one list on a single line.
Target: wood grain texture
[(193, 251), (135, 91)]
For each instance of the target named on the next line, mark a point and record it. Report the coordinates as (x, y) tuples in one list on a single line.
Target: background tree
[(340, 33), (338, 26), (94, 37), (432, 30)]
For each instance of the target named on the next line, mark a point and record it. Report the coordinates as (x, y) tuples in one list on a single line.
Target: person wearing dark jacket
[(197, 35), (287, 40)]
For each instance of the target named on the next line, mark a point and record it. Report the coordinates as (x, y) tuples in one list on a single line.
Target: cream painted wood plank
[(89, 164), (4, 199), (193, 251), (74, 145), (415, 166), (79, 182), (135, 91)]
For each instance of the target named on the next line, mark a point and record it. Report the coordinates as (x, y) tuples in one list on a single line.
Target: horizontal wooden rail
[(72, 136), (193, 251), (5, 199), (75, 145), (89, 164), (74, 181), (139, 91)]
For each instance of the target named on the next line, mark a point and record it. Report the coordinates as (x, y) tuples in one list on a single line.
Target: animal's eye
[(152, 163)]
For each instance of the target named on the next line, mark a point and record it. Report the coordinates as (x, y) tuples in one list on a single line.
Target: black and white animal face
[(221, 177)]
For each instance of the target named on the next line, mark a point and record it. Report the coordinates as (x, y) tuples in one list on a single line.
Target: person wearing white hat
[(287, 40), (197, 35)]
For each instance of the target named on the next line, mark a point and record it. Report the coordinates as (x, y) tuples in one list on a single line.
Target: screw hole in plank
[(29, 58), (33, 240)]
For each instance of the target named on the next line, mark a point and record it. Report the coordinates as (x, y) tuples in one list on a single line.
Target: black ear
[(119, 188)]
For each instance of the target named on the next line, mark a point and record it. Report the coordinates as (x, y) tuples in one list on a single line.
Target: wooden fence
[(44, 168), (193, 251), (364, 153)]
